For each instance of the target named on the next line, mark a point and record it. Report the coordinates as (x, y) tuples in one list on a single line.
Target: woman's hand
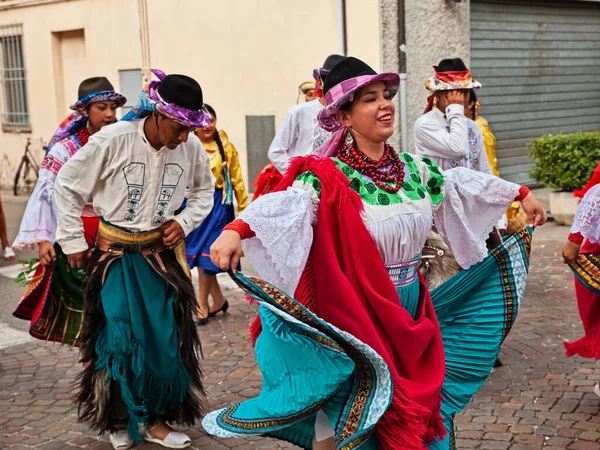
[(570, 251), (536, 214), (226, 251), (47, 253)]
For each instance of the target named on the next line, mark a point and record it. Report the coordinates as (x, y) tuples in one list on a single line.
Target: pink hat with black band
[(340, 87), (342, 83)]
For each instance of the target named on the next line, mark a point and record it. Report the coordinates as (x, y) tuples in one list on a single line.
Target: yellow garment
[(516, 217), (489, 142), (216, 165)]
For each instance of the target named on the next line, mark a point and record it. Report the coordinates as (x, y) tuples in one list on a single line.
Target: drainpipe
[(342, 36), (145, 41), (403, 76)]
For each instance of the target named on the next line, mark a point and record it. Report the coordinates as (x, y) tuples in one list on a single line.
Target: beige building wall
[(111, 42), (249, 56)]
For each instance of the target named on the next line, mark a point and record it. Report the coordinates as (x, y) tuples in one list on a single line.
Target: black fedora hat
[(451, 65), (331, 61), (347, 68), (94, 84), (181, 90)]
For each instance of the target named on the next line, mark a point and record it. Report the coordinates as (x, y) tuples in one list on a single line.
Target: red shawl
[(346, 283)]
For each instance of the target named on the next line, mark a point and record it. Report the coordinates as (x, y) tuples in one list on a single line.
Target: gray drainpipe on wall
[(403, 77), (342, 37)]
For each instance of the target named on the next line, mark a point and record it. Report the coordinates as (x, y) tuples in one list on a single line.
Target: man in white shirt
[(444, 133), (300, 134), (141, 345)]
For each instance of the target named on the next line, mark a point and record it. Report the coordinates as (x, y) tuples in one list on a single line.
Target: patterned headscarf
[(150, 101), (79, 117), (449, 81)]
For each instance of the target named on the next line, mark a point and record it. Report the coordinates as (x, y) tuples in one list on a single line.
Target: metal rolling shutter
[(539, 63)]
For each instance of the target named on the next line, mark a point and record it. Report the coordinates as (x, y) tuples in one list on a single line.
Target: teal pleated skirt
[(308, 365)]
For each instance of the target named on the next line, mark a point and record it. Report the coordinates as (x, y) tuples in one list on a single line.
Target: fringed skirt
[(139, 332), (587, 289), (314, 372), (53, 301)]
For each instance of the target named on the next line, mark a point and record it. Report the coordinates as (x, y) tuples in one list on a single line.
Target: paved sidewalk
[(538, 400)]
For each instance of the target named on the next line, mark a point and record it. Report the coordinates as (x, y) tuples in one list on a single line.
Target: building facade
[(249, 57), (538, 60)]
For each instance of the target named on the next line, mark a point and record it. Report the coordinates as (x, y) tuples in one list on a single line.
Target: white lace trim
[(284, 234), (473, 203), (39, 220), (587, 217)]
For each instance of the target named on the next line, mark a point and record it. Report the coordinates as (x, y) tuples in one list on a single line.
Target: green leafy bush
[(565, 161)]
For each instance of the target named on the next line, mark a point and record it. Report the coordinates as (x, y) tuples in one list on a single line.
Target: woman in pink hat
[(353, 351)]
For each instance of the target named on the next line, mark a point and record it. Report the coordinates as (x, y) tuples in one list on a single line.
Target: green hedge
[(565, 161)]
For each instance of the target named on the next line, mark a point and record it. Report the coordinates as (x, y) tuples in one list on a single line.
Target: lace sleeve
[(473, 203), (40, 220), (587, 217), (282, 222)]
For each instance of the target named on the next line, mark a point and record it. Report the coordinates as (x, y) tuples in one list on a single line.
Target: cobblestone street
[(538, 399)]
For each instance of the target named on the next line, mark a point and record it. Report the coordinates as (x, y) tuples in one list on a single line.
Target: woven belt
[(115, 241), (404, 273)]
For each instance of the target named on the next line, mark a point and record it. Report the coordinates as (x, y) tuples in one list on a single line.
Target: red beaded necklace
[(389, 169)]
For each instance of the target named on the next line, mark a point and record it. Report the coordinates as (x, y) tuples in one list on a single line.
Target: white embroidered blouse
[(463, 204)]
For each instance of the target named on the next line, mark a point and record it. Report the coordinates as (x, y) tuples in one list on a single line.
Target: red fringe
[(436, 428), (255, 330), (586, 347), (403, 424)]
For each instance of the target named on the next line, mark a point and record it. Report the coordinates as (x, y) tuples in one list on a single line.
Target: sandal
[(174, 439), (9, 254), (120, 440)]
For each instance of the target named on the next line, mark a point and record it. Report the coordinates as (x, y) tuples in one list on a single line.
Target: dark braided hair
[(216, 136), (473, 99)]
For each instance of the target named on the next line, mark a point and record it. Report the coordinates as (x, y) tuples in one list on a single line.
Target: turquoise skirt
[(308, 365)]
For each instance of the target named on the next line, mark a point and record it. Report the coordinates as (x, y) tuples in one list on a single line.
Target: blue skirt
[(310, 366), (198, 242)]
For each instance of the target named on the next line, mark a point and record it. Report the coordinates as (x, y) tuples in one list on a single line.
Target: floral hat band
[(97, 97), (452, 81)]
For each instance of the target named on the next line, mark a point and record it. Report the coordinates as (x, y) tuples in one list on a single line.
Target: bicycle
[(26, 175)]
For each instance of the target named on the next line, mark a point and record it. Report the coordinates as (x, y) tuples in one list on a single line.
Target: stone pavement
[(538, 400)]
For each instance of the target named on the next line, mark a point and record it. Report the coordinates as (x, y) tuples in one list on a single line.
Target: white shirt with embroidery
[(133, 185), (299, 135), (451, 140)]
